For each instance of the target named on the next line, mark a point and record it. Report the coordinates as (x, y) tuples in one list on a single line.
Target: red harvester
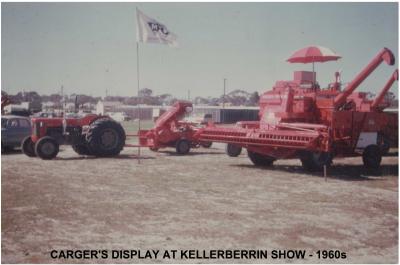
[(300, 120)]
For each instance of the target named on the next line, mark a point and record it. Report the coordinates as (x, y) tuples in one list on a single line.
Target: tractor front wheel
[(46, 148), (28, 147), (260, 160), (315, 161), (372, 157), (233, 150), (182, 147)]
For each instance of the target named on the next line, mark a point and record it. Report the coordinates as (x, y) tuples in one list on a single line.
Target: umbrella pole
[(313, 72)]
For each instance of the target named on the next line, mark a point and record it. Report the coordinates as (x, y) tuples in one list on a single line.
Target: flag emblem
[(156, 27), (150, 30)]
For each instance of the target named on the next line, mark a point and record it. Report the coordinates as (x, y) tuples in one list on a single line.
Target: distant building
[(23, 107), (103, 107), (229, 114), (127, 111)]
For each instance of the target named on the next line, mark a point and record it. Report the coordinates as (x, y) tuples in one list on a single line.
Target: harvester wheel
[(28, 147), (233, 150), (206, 144), (260, 160), (372, 156), (46, 148), (315, 161), (81, 149), (105, 137), (182, 147)]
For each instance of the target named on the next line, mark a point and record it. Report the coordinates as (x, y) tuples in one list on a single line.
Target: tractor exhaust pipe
[(384, 55), (385, 89)]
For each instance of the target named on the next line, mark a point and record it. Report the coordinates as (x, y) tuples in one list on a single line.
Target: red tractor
[(90, 135), (171, 131), (300, 120)]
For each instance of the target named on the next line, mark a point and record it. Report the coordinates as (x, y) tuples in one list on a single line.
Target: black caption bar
[(188, 254)]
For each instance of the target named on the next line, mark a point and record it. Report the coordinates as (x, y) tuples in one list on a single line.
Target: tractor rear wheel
[(206, 144), (81, 149), (372, 157), (182, 146), (260, 160), (233, 150), (46, 148), (105, 137), (28, 147), (315, 161)]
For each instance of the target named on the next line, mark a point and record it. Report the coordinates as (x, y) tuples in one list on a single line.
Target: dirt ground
[(205, 200)]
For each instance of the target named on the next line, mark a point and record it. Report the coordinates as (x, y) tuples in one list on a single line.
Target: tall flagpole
[(138, 94)]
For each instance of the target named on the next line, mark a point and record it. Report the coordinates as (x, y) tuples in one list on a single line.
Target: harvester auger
[(171, 131), (300, 120)]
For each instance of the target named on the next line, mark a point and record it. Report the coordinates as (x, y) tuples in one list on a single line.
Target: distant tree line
[(235, 98)]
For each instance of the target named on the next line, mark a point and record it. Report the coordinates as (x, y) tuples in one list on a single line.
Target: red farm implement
[(300, 120), (171, 131)]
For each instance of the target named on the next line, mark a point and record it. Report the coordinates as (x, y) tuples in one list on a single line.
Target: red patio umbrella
[(312, 54)]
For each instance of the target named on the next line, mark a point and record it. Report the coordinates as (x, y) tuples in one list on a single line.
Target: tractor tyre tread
[(81, 149), (93, 137)]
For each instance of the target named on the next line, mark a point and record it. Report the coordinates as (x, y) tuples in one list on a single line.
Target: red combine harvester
[(171, 131), (300, 120)]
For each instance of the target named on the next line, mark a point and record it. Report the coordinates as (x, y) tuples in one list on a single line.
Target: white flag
[(150, 30)]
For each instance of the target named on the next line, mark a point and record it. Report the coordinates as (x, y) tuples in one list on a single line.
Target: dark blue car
[(13, 130)]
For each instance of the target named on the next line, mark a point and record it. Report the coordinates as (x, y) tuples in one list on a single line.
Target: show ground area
[(205, 200)]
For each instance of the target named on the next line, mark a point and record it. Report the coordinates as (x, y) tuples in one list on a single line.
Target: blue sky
[(91, 47)]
